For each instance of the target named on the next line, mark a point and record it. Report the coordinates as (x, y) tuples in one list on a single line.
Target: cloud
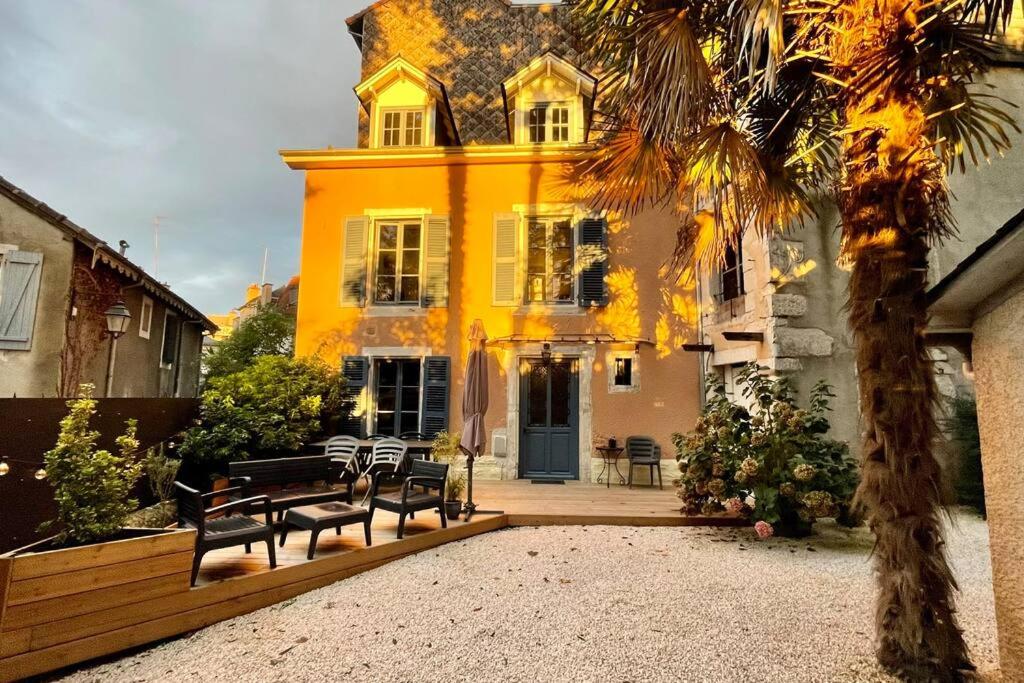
[(116, 111)]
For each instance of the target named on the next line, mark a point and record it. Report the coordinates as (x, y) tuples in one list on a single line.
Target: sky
[(115, 112)]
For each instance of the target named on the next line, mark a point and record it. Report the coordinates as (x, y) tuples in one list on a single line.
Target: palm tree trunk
[(894, 202)]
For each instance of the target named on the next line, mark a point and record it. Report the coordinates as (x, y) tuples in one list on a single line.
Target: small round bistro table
[(610, 459)]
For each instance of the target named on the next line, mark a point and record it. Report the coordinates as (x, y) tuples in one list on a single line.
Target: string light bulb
[(4, 468), (41, 474)]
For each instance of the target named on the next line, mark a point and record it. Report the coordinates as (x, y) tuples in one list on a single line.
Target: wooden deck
[(232, 583)]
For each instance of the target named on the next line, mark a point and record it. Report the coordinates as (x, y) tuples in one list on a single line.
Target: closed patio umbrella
[(474, 406)]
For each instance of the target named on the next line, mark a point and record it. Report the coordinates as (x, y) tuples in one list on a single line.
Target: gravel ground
[(583, 604)]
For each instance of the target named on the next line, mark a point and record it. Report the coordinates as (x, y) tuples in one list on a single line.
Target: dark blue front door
[(548, 415)]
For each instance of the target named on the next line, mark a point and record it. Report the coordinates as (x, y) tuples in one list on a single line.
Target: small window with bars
[(402, 128)]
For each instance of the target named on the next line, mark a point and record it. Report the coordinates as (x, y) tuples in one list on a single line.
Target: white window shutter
[(353, 261), (506, 271), (434, 288), (19, 291)]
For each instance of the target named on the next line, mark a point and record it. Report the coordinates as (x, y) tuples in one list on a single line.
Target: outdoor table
[(610, 458), (417, 448), (316, 518)]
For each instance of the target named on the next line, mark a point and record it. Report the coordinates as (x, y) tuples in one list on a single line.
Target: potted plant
[(446, 449), (453, 489), (88, 564)]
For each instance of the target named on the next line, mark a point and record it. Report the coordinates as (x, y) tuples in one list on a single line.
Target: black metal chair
[(226, 531), (429, 476), (643, 451)]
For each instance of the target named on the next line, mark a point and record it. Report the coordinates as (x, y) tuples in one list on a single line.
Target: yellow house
[(423, 229)]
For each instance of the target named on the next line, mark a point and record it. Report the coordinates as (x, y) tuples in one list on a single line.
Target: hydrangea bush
[(771, 462)]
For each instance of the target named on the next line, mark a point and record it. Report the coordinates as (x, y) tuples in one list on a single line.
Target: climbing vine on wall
[(93, 291)]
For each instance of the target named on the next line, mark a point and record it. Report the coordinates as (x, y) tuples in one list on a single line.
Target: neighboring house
[(782, 299), (979, 308), (285, 299), (456, 207), (56, 282)]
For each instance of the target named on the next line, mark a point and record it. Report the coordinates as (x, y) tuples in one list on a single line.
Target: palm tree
[(742, 114)]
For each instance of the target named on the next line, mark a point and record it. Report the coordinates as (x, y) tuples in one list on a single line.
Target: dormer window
[(407, 108), (402, 128), (549, 101), (548, 122)]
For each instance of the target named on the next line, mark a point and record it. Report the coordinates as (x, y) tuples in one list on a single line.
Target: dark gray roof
[(103, 252)]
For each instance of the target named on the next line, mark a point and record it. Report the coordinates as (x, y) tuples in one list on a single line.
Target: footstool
[(316, 518)]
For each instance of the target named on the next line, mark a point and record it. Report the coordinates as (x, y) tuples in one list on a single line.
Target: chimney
[(124, 247), (252, 291), (267, 295)]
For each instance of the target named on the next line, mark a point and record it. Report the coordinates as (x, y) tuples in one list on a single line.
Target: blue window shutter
[(437, 373), (356, 370), (434, 290), (353, 262), (592, 254), (19, 291)]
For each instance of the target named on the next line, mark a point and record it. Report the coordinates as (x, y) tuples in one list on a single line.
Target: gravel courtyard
[(582, 604)]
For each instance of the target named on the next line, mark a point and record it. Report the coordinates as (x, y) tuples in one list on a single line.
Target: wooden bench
[(292, 482)]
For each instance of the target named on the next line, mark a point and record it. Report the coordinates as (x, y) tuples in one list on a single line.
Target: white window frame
[(403, 129), (375, 251), (146, 318), (634, 385), (550, 220), (549, 125)]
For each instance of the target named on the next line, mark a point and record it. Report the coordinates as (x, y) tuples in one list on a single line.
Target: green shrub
[(160, 472), (772, 464), (267, 333), (270, 408), (962, 425), (92, 487)]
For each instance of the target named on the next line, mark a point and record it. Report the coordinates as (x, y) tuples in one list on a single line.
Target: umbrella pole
[(470, 507)]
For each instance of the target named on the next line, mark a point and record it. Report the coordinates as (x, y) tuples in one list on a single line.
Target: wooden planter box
[(53, 601)]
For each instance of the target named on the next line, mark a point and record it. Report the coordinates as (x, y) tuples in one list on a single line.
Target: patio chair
[(345, 449), (643, 451), (386, 458), (429, 476), (412, 436), (225, 531)]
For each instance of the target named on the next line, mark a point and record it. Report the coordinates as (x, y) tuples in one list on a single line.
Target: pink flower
[(764, 529), (734, 505)]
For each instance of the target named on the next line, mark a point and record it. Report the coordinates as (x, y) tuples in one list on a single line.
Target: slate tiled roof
[(470, 45)]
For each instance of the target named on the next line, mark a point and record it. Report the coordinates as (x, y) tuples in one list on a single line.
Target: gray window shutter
[(436, 378), (356, 370), (19, 291), (592, 256), (434, 289), (505, 274), (353, 261)]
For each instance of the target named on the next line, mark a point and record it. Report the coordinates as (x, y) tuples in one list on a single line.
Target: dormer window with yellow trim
[(549, 101), (407, 108)]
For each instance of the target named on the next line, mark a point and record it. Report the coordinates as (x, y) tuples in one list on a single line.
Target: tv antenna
[(156, 247)]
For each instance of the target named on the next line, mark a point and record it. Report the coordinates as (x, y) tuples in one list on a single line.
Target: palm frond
[(723, 173), (970, 124), (993, 15), (671, 87), (629, 172), (758, 32)]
